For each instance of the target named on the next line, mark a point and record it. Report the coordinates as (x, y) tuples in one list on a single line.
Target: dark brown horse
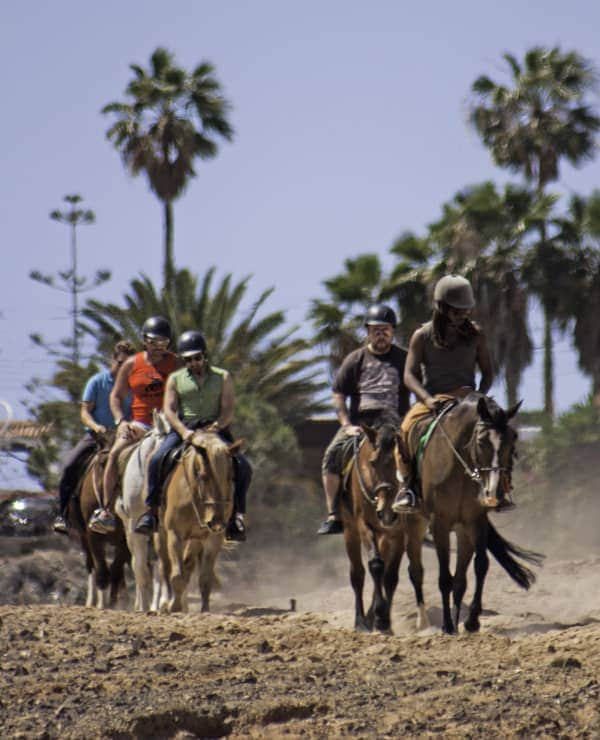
[(105, 582), (467, 460), (370, 523)]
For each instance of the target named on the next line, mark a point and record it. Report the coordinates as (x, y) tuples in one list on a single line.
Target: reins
[(473, 473)]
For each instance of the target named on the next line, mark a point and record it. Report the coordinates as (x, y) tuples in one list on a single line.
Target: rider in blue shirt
[(97, 419)]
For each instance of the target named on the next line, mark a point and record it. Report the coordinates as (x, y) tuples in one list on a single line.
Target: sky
[(351, 128)]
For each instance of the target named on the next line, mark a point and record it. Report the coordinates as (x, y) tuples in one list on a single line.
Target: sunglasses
[(194, 358), (157, 341)]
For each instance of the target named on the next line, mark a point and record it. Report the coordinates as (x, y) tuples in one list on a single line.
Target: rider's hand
[(431, 403), (100, 429), (214, 427), (187, 437), (352, 430)]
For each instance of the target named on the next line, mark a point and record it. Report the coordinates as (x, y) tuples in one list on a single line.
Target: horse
[(466, 464), (370, 523), (130, 505), (101, 576), (198, 503)]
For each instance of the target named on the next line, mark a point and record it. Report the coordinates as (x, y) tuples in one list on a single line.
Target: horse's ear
[(482, 409), (512, 411), (236, 446), (371, 434)]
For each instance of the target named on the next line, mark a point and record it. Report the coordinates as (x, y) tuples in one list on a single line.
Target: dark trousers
[(72, 468), (242, 472)]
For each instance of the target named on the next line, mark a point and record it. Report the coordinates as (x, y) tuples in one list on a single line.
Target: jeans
[(72, 468)]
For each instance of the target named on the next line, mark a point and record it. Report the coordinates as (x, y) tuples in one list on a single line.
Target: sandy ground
[(254, 668)]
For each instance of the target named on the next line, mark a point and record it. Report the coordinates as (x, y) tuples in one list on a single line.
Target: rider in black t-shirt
[(372, 378)]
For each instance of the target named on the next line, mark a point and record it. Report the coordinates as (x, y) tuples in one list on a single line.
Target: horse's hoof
[(448, 629), (362, 627), (472, 625)]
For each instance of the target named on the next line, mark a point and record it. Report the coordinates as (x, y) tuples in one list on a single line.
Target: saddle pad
[(426, 436)]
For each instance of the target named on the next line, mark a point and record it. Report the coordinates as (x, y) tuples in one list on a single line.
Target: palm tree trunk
[(548, 369), (511, 379), (169, 265)]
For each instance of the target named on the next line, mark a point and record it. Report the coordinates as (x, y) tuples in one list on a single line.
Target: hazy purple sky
[(351, 128)]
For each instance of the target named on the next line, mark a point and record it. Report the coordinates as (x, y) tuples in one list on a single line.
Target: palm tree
[(339, 319), (532, 125), (264, 357), (173, 117)]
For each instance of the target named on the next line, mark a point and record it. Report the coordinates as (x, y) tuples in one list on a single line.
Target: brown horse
[(468, 460), (370, 523), (198, 503), (104, 582)]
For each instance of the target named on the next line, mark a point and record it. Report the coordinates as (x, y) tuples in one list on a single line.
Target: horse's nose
[(380, 514), (216, 525)]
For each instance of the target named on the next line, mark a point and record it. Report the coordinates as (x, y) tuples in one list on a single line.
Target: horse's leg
[(464, 553), (117, 568), (138, 547), (441, 537), (176, 577), (379, 610), (98, 550), (482, 564), (206, 571), (357, 575), (415, 534), (160, 574)]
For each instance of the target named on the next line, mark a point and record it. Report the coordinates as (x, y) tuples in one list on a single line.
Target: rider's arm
[(88, 420), (486, 367), (339, 403), (171, 410), (227, 403), (412, 370), (121, 389)]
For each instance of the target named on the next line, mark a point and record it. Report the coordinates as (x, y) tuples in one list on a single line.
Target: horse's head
[(210, 469), (492, 446), (377, 474)]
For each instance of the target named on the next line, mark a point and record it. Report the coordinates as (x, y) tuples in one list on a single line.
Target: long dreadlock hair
[(466, 330)]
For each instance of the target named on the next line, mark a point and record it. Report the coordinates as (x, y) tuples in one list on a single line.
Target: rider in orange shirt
[(144, 375)]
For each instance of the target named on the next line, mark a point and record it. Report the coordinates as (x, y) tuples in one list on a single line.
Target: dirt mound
[(72, 672)]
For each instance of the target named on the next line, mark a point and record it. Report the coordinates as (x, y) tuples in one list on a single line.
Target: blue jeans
[(242, 472)]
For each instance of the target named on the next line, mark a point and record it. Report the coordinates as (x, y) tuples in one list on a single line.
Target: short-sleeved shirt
[(199, 402), (374, 384), (97, 391)]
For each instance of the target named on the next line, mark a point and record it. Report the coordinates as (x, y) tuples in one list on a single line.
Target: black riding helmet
[(191, 343), (157, 326), (379, 313)]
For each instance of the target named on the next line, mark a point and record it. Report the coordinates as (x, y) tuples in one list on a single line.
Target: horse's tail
[(503, 551)]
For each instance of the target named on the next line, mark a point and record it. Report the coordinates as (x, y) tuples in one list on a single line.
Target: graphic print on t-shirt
[(378, 385)]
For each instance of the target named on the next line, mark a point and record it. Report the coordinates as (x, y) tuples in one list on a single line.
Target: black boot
[(235, 531), (406, 501), (331, 526), (147, 523)]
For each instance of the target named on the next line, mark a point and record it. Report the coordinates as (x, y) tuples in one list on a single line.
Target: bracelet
[(118, 421)]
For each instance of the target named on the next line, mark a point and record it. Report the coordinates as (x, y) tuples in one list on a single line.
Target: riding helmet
[(379, 313), (157, 326), (454, 291), (191, 343)]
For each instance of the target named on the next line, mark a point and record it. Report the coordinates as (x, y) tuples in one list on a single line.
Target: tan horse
[(370, 524), (198, 503), (467, 461), (105, 582)]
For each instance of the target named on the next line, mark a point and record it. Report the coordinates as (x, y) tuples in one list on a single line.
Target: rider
[(98, 419), (198, 396), (443, 356), (144, 375), (371, 377)]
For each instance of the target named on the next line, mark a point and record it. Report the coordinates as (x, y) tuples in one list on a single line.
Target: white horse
[(130, 505)]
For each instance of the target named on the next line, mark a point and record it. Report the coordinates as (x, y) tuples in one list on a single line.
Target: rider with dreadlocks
[(443, 356)]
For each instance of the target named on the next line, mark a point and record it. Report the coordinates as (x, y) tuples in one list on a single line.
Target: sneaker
[(102, 522), (331, 526), (405, 503), (236, 530), (61, 525), (146, 524)]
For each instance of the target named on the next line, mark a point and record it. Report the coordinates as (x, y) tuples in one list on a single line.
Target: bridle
[(199, 499), (370, 495)]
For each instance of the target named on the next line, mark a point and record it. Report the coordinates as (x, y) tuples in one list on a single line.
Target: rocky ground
[(255, 668)]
